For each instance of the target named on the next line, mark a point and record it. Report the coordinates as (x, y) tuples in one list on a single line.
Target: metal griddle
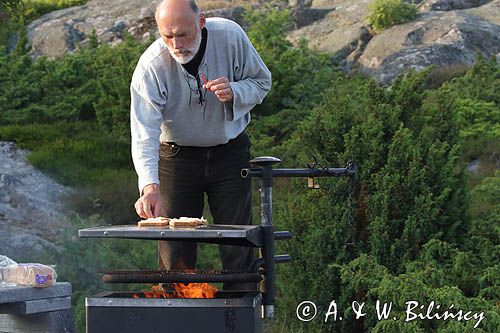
[(245, 235)]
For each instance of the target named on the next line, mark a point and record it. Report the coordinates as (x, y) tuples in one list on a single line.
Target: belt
[(230, 142)]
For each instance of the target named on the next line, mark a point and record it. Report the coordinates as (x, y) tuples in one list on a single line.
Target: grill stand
[(265, 173), (266, 217), (262, 236)]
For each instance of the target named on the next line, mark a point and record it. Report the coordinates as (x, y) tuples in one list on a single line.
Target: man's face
[(182, 35)]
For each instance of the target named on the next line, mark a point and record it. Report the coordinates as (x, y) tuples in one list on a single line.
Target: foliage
[(478, 106), (386, 13), (32, 9), (414, 240), (300, 75), (86, 85)]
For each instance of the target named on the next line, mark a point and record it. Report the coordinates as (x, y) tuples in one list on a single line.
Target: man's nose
[(177, 43)]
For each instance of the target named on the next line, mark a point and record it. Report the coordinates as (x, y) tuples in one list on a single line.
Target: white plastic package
[(35, 275)]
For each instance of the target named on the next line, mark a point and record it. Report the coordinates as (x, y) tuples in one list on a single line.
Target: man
[(191, 96)]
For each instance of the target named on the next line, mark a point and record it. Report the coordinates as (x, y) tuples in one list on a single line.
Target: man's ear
[(203, 20)]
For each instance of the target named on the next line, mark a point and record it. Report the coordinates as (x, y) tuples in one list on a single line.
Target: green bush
[(32, 9), (414, 239), (386, 13), (300, 76)]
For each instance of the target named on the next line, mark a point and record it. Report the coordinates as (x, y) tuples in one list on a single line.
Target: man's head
[(179, 23)]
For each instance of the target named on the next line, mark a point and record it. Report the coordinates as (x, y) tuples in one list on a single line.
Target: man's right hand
[(149, 204)]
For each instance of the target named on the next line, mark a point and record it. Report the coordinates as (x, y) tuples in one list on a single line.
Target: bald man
[(191, 96)]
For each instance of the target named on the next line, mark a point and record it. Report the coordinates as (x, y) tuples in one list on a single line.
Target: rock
[(436, 38), (474, 165), (446, 5), (32, 212), (304, 14), (339, 31), (234, 13), (490, 11), (59, 32), (444, 34)]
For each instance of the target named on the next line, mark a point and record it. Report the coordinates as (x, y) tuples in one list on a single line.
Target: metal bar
[(269, 268), (327, 172), (160, 277), (282, 258), (106, 299), (279, 259), (280, 235)]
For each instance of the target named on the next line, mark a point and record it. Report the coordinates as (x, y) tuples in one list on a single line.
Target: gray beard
[(193, 50)]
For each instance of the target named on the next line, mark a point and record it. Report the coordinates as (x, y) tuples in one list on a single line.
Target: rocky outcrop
[(442, 39), (436, 37), (59, 32), (446, 5), (31, 207), (445, 33), (338, 33), (305, 14), (489, 12)]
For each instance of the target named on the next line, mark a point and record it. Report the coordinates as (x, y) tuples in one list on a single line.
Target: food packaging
[(35, 275)]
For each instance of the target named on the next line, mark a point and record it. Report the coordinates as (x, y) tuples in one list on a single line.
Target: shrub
[(386, 13), (411, 190)]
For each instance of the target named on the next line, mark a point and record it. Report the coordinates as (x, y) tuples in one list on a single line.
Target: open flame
[(181, 290)]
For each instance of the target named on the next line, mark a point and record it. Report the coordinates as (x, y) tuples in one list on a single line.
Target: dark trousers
[(186, 174)]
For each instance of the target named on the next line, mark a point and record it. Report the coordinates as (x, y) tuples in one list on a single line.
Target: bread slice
[(154, 222), (187, 222)]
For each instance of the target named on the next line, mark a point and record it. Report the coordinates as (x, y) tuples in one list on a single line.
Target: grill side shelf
[(219, 234)]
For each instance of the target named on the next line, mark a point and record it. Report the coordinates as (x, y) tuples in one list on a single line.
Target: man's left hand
[(221, 88)]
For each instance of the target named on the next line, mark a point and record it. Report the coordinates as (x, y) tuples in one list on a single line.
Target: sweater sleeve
[(145, 121), (252, 79)]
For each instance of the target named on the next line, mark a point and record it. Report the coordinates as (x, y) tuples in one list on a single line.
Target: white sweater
[(165, 105)]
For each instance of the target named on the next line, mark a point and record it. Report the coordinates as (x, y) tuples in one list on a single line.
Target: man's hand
[(149, 204), (221, 88)]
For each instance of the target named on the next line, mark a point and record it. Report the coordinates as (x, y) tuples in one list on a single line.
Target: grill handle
[(312, 173), (282, 258), (280, 235), (278, 259)]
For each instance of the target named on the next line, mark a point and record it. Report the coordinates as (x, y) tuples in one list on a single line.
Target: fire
[(194, 290), (182, 290)]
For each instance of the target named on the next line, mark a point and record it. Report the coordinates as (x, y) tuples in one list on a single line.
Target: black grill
[(227, 312)]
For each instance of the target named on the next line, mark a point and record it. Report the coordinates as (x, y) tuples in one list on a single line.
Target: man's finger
[(224, 92), (139, 210), (157, 209), (148, 207), (221, 86), (220, 80)]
